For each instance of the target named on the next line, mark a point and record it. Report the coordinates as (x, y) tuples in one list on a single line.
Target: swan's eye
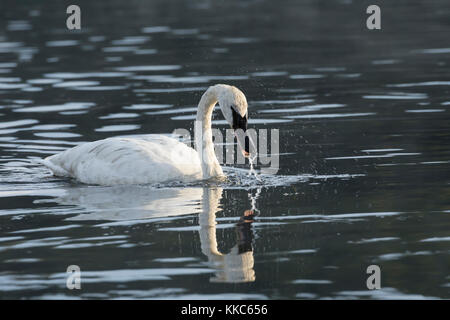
[(238, 121)]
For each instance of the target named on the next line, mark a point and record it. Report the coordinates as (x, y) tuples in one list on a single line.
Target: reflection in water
[(131, 202), (237, 265)]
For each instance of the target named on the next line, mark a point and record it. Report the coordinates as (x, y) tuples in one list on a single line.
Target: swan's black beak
[(241, 123)]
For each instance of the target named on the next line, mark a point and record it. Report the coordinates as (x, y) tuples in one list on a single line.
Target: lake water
[(364, 125)]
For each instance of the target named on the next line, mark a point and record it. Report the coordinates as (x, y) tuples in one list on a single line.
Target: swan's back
[(141, 160)]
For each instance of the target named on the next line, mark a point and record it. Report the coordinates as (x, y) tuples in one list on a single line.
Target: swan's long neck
[(203, 135)]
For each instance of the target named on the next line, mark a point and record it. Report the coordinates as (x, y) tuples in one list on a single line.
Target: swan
[(150, 159)]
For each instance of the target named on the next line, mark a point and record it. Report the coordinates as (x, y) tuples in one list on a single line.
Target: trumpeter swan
[(155, 158)]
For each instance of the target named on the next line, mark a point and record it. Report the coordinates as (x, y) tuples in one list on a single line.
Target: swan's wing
[(111, 161)]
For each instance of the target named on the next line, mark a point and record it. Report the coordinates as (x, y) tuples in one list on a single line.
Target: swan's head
[(234, 107)]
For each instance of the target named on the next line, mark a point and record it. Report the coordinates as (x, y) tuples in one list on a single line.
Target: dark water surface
[(364, 151)]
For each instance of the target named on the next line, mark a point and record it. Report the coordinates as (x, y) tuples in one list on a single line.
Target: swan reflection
[(128, 203), (237, 265), (132, 202)]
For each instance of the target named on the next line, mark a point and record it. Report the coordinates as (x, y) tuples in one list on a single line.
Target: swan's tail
[(56, 170)]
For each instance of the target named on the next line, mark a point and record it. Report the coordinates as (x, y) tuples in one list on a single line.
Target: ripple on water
[(81, 75), (128, 275), (269, 74), (290, 101), (420, 84), (57, 135), (185, 117), (62, 43), (131, 40), (433, 51), (10, 79), (52, 126), (400, 255), (238, 40), (310, 108), (59, 107), (97, 38), (383, 293), (71, 84), (331, 115), (172, 111), (155, 29), (32, 89), (147, 106), (436, 239), (44, 81), (184, 32), (146, 51), (398, 96), (17, 123), (7, 64), (71, 113), (311, 281), (381, 150), (385, 61), (119, 116), (330, 69), (348, 75), (99, 88), (120, 49), (117, 128), (13, 86), (374, 240), (171, 90), (306, 76), (149, 68), (240, 178), (387, 155), (424, 110), (171, 79)]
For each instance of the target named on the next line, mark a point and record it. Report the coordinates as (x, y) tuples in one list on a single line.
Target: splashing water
[(253, 199), (252, 170)]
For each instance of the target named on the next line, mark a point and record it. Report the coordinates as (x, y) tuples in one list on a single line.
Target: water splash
[(252, 171), (253, 199)]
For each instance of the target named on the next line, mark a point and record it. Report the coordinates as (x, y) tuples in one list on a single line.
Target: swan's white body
[(152, 158), (139, 160)]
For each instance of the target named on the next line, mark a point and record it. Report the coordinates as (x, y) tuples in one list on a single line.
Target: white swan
[(155, 158)]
